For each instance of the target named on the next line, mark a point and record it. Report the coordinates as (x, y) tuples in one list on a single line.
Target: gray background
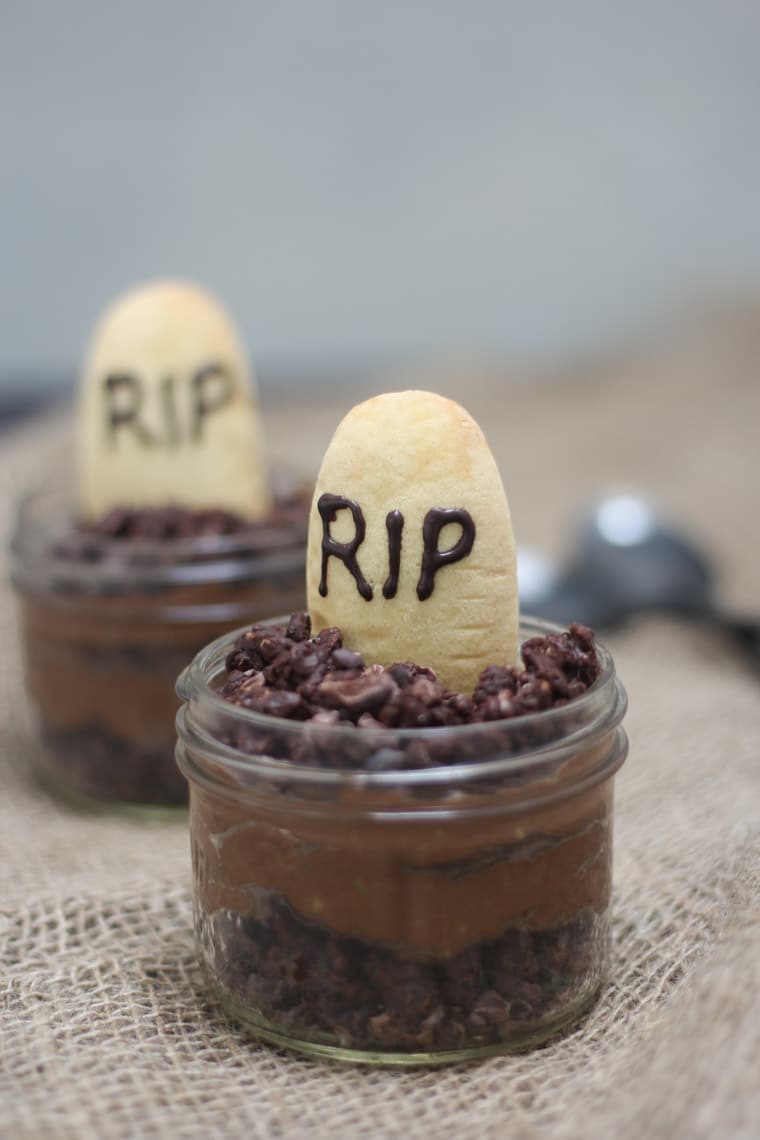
[(369, 183)]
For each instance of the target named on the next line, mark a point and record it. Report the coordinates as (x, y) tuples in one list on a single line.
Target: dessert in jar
[(170, 535), (401, 801)]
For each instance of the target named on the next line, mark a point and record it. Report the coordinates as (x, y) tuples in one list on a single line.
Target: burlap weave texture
[(107, 1028)]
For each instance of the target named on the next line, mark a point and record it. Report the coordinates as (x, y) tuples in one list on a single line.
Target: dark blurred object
[(628, 560), (17, 406)]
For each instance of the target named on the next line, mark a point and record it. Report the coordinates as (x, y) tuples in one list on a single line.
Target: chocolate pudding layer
[(368, 886), (110, 613)]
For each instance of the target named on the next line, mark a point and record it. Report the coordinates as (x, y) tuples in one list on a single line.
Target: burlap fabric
[(107, 1028)]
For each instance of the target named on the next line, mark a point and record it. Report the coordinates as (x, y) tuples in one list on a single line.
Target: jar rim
[(592, 715)]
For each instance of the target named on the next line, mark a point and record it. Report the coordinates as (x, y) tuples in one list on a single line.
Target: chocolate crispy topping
[(138, 527), (283, 671), (162, 523), (157, 523)]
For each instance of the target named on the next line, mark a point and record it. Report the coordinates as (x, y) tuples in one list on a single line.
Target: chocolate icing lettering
[(209, 395), (394, 524), (118, 388), (169, 407), (328, 507), (433, 558), (211, 388)]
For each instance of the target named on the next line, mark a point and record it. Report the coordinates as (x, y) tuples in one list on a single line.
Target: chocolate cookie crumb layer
[(95, 764), (321, 986)]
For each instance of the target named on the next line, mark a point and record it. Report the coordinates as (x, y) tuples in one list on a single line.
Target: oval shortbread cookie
[(410, 551), (167, 408)]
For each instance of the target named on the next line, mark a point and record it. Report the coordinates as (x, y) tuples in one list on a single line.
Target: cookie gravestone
[(411, 552), (167, 410)]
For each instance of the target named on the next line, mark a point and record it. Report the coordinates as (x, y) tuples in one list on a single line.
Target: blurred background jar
[(108, 622)]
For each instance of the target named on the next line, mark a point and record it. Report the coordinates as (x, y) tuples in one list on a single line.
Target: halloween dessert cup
[(399, 863), (171, 536), (107, 621)]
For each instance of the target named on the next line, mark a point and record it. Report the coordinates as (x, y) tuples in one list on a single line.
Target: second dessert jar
[(170, 534)]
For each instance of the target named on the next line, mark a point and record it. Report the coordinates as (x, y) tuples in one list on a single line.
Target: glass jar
[(401, 896), (106, 625)]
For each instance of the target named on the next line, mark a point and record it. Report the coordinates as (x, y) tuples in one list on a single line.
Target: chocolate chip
[(346, 659), (299, 627), (329, 639), (282, 704), (325, 716), (358, 694)]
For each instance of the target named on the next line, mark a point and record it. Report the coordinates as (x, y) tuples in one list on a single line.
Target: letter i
[(394, 524)]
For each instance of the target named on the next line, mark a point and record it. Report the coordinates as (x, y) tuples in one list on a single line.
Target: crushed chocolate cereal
[(144, 535), (283, 671), (160, 523)]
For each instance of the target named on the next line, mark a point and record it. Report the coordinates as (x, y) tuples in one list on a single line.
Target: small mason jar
[(408, 896), (106, 625)]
